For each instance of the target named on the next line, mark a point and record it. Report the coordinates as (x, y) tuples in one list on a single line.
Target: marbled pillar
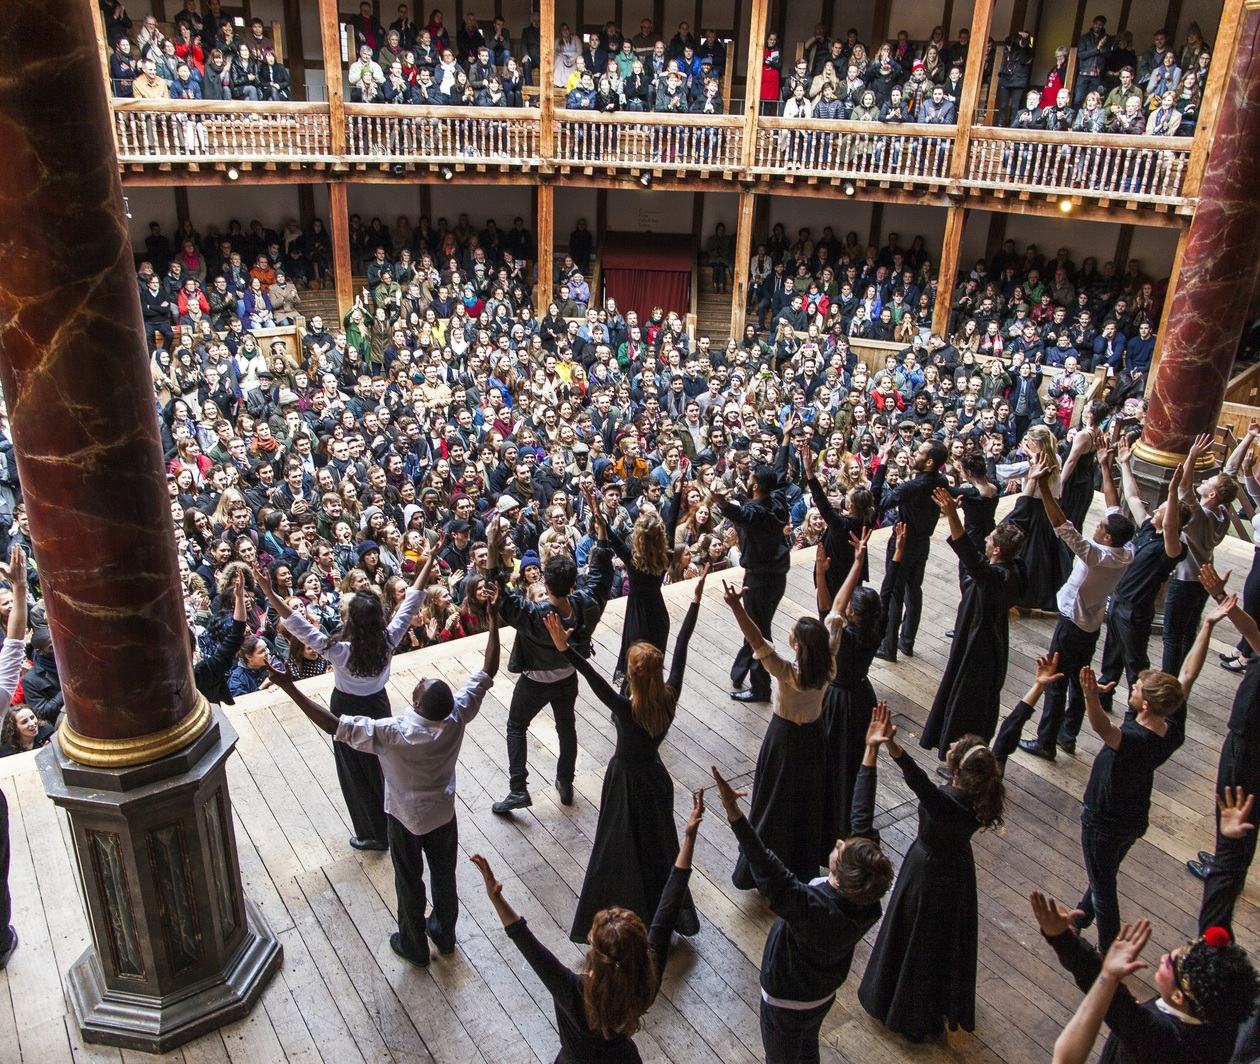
[(77, 383), (1219, 268)]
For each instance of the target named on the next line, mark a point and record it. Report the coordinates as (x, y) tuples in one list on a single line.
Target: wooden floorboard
[(342, 997)]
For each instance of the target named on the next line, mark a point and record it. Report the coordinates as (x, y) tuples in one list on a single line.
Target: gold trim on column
[(119, 753), (1169, 459)]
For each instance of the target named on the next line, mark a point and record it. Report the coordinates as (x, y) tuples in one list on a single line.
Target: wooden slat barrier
[(1094, 166), (858, 150), (184, 131), (649, 141), (401, 133), (1245, 387)]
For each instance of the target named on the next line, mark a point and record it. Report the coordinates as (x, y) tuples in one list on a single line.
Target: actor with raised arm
[(417, 752), (12, 654), (598, 1010)]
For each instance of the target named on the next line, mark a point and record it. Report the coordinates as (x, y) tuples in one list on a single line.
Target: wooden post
[(339, 226), (973, 75), (181, 205), (1124, 241), (1218, 77), (546, 101), (947, 272), (330, 39), (544, 223), (997, 234), (745, 220), (1173, 279), (877, 225), (752, 79), (294, 47), (306, 206)]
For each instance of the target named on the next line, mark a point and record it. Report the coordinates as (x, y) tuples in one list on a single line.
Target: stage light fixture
[(645, 180), (447, 173), (849, 188), (1065, 206), (233, 173)]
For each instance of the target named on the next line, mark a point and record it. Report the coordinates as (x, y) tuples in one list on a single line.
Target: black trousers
[(440, 847), (761, 602), (362, 785), (1064, 707), (1251, 600), (1239, 767), (1125, 647), (6, 902), (528, 700), (1009, 101), (790, 1036), (1183, 606), (904, 590), (1104, 848)]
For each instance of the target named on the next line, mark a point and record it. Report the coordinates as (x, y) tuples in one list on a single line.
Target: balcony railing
[(635, 140), (1095, 166), (185, 131), (394, 133), (854, 150), (1100, 167)]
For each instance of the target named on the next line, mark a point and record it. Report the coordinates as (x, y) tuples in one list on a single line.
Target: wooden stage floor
[(343, 997)]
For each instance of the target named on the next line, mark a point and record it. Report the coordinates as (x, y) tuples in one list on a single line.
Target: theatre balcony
[(1027, 170)]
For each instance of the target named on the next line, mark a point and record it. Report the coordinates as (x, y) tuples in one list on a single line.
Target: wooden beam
[(1172, 15), (294, 47), (997, 235), (339, 226), (973, 75), (306, 206), (877, 224), (1126, 6), (1019, 12), (744, 223), (1173, 278), (546, 97), (752, 79), (1218, 77), (947, 272), (881, 16), (947, 16), (601, 218), (334, 89), (181, 204), (1078, 22), (544, 224), (1124, 242)]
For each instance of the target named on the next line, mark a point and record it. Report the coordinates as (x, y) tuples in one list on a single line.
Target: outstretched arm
[(490, 661), (318, 715), (1040, 472), (1132, 494), (1076, 1042), (844, 594), (678, 666), (1105, 454), (752, 634), (1008, 735), (1214, 584), (263, 580), (1098, 719)]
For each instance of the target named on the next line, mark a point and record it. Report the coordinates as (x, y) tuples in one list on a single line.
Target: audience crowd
[(1113, 89)]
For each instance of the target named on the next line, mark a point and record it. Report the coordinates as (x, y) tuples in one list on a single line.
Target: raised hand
[(15, 571), (697, 813), (555, 629), (698, 594), (1213, 583), (881, 729), (731, 595), (728, 795), (1039, 468), (900, 532), (1174, 482), (807, 461), (1201, 443), (1048, 669), (1089, 682), (264, 583), (821, 562), (1235, 806), (944, 501), (1052, 918), (1222, 610), (1124, 450), (280, 679), (860, 543), (494, 889), (1122, 956)]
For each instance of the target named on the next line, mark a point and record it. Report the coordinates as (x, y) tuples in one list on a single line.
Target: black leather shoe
[(1031, 746), (1207, 858), (395, 943), (514, 800), (950, 634), (749, 696), (565, 789), (444, 943), (1068, 746), (906, 649), (1198, 869), (368, 844), (7, 952), (884, 655)]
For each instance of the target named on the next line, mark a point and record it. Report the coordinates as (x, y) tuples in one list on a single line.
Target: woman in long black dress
[(855, 619), (858, 516), (922, 971), (1043, 561), (1077, 475), (789, 789), (635, 839), (969, 697), (646, 558), (599, 1008)]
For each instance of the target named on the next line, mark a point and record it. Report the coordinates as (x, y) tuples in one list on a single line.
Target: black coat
[(210, 674)]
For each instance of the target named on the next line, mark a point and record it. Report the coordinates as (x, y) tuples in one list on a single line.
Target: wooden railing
[(649, 141), (191, 131), (1095, 166), (398, 133), (854, 150)]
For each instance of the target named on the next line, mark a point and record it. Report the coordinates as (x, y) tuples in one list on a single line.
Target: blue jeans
[(1104, 848)]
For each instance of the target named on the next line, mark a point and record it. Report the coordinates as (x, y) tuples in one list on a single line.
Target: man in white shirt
[(418, 751), (12, 655), (1099, 565)]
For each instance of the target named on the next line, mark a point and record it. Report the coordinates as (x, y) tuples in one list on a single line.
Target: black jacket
[(210, 674), (42, 689)]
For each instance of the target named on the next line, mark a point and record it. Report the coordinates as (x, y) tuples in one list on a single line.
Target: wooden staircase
[(713, 312)]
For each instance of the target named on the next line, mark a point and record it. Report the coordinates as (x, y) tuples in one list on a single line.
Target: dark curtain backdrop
[(646, 270)]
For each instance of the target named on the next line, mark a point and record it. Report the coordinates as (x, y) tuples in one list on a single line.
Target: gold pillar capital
[(139, 749)]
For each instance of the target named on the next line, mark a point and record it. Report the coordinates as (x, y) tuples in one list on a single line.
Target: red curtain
[(646, 270)]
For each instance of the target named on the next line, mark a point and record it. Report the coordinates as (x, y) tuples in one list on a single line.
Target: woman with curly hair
[(598, 1010), (647, 559), (1043, 561), (360, 658)]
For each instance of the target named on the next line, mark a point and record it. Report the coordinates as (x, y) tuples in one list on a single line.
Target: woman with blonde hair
[(635, 839), (647, 560), (1043, 562)]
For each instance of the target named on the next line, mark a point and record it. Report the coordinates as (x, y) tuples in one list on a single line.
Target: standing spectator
[(1091, 60)]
